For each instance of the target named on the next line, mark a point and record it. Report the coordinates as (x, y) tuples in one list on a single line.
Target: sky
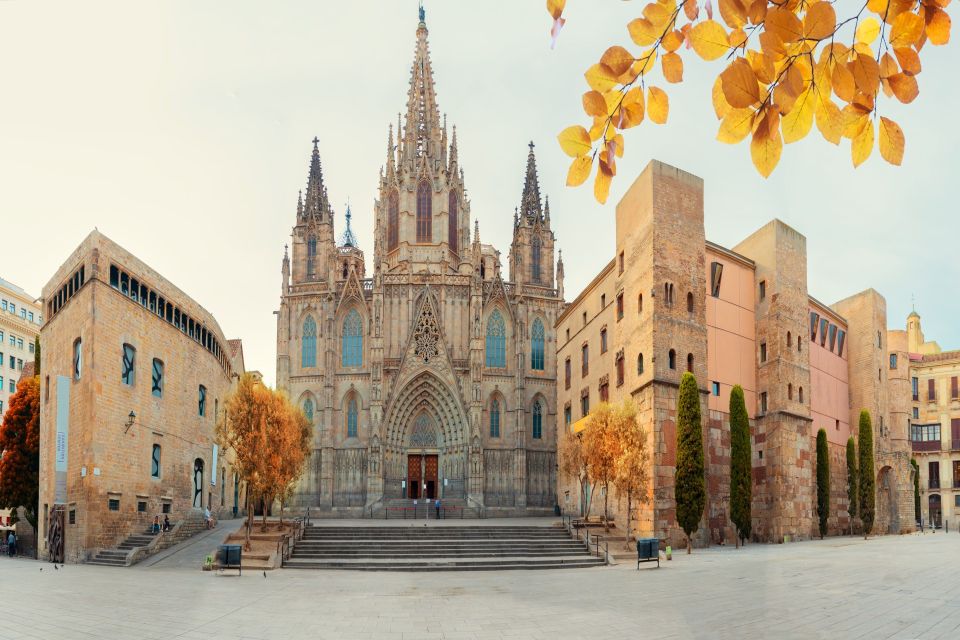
[(182, 129)]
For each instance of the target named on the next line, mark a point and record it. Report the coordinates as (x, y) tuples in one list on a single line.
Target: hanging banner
[(213, 470), (62, 439)]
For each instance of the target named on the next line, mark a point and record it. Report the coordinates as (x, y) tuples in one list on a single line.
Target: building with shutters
[(932, 412), (425, 372), (20, 320), (671, 301), (133, 376)]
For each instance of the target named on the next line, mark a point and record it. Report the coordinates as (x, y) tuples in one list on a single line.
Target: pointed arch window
[(495, 419), (536, 346), (308, 351), (352, 418), (312, 256), (496, 341), (424, 212), (308, 410), (352, 351), (393, 220), (535, 259), (537, 420), (453, 223)]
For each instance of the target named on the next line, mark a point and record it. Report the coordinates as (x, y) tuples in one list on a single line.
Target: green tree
[(852, 481), (916, 489), (823, 481), (20, 443), (741, 480), (689, 485), (868, 487), (36, 356)]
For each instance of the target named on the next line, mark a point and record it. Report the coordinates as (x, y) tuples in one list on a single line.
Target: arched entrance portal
[(425, 454)]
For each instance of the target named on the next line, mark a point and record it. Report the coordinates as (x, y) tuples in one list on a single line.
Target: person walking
[(11, 544)]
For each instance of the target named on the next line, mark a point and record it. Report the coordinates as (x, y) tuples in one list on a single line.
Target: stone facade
[(671, 301), (433, 377), (20, 320), (126, 359), (928, 404)]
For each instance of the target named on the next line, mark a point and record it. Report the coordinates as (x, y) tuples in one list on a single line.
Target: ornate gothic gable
[(495, 291), (425, 346), (352, 291)]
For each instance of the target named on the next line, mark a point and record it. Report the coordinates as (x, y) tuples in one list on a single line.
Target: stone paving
[(887, 587)]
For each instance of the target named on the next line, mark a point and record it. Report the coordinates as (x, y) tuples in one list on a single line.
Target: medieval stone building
[(432, 377)]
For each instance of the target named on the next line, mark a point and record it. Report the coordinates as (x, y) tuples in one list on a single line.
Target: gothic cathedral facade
[(435, 378)]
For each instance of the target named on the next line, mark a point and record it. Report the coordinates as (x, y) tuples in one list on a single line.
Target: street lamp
[(129, 422)]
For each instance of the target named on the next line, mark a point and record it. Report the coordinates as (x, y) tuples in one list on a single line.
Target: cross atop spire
[(530, 207)]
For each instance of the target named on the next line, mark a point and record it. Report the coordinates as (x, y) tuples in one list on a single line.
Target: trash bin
[(648, 548), (230, 555)]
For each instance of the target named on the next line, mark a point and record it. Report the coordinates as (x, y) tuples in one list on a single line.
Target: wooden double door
[(422, 482)]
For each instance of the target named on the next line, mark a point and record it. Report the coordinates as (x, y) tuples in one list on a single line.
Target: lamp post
[(129, 423)]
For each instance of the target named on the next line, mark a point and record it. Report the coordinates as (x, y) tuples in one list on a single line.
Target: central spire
[(317, 204), (422, 129), (530, 208)]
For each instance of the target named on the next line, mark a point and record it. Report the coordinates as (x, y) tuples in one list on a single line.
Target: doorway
[(422, 480), (936, 513)]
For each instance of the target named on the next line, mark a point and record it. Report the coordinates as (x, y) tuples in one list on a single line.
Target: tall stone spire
[(317, 205), (349, 240), (530, 208), (300, 205), (422, 130)]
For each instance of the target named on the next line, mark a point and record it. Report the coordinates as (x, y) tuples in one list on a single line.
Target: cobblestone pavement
[(887, 587)]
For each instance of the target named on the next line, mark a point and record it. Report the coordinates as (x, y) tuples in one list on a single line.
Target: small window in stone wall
[(113, 504), (715, 388), (141, 506), (73, 516), (166, 507)]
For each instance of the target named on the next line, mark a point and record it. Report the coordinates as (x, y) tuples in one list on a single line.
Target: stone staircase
[(418, 547), (140, 545)]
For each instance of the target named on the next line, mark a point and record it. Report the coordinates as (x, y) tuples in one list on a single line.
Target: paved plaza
[(887, 587)]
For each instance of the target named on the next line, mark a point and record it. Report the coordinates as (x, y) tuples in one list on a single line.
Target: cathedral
[(425, 374)]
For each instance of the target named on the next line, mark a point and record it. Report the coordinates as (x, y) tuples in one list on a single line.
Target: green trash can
[(648, 550)]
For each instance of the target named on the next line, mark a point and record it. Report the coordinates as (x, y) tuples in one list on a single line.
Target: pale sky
[(181, 129)]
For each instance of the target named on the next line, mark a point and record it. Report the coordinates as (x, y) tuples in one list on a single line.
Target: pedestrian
[(156, 525), (437, 505), (11, 544), (166, 522)]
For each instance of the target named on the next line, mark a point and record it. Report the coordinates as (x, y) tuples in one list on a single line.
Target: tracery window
[(537, 420), (535, 259), (308, 410), (393, 220), (352, 351), (128, 372), (352, 418), (536, 349), (156, 379), (496, 341), (453, 227), (495, 419), (424, 212), (308, 349)]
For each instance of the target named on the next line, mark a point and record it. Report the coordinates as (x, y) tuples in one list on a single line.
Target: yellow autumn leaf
[(829, 121), (617, 59), (819, 21), (672, 67), (866, 74), (709, 40), (739, 82), (867, 30), (643, 32), (672, 41), (733, 12), (908, 59), (594, 104), (579, 171), (765, 150), (575, 141), (843, 83), (797, 123), (555, 7), (600, 78), (891, 141), (904, 87), (938, 26), (784, 24), (862, 145), (735, 126), (601, 185), (631, 109), (658, 105), (907, 29), (720, 104)]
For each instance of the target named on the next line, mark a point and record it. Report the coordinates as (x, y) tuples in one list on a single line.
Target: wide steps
[(436, 547)]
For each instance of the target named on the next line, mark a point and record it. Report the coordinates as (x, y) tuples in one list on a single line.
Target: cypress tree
[(689, 485), (741, 480), (868, 498), (852, 481), (36, 356), (823, 481), (916, 489)]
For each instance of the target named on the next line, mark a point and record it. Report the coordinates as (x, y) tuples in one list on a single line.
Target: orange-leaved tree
[(573, 463), (632, 478), (20, 444), (786, 64), (268, 437), (601, 450)]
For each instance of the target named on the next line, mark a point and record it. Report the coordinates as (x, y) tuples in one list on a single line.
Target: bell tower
[(314, 245), (531, 252)]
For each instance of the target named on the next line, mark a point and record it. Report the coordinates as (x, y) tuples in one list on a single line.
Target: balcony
[(926, 445), (934, 484), (955, 445)]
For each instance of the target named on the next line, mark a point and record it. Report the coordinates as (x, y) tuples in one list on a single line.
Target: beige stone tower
[(531, 252), (783, 426)]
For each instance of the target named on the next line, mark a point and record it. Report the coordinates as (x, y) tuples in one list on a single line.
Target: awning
[(579, 425)]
